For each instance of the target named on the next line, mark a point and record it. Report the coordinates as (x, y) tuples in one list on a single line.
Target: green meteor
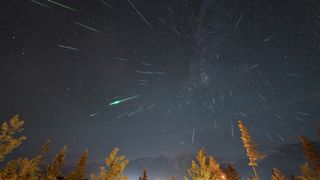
[(123, 100)]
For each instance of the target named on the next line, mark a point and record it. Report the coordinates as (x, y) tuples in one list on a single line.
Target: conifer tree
[(216, 169), (54, 169), (251, 148), (231, 173), (24, 168), (277, 175), (79, 171), (311, 153), (116, 165), (8, 141), (307, 173), (200, 170), (144, 175), (205, 168)]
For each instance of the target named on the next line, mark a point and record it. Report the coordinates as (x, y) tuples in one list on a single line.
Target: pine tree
[(24, 168), (144, 175), (201, 170), (307, 173), (116, 165), (277, 175), (54, 169), (251, 148), (79, 171), (311, 153), (216, 169), (8, 142), (205, 168), (231, 173)]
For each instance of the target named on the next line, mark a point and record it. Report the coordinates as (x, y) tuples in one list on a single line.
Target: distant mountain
[(287, 157)]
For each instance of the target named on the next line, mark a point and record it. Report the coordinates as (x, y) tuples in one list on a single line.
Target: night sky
[(186, 70)]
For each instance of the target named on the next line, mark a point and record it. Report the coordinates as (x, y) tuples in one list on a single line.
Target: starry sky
[(184, 71)]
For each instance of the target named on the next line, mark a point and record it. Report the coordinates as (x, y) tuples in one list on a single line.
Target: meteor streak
[(39, 3), (61, 5), (123, 100), (87, 27), (67, 47)]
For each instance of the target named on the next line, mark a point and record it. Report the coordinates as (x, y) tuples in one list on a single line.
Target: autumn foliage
[(115, 167), (204, 167), (8, 141), (251, 148)]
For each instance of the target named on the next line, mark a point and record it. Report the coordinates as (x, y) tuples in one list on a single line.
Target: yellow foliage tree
[(200, 171), (311, 153), (8, 142), (277, 175), (115, 164), (54, 169), (231, 173), (205, 168), (21, 169), (79, 171), (251, 148), (145, 177), (307, 173), (216, 169), (24, 168)]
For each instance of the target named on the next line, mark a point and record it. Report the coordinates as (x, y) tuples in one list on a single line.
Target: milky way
[(160, 77)]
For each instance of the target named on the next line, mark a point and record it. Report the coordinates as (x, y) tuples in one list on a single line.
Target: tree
[(205, 168), (79, 171), (311, 153), (231, 173), (21, 168), (115, 164), (277, 175), (24, 168), (307, 173), (216, 169), (144, 175), (251, 148), (8, 142), (202, 169), (54, 169)]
